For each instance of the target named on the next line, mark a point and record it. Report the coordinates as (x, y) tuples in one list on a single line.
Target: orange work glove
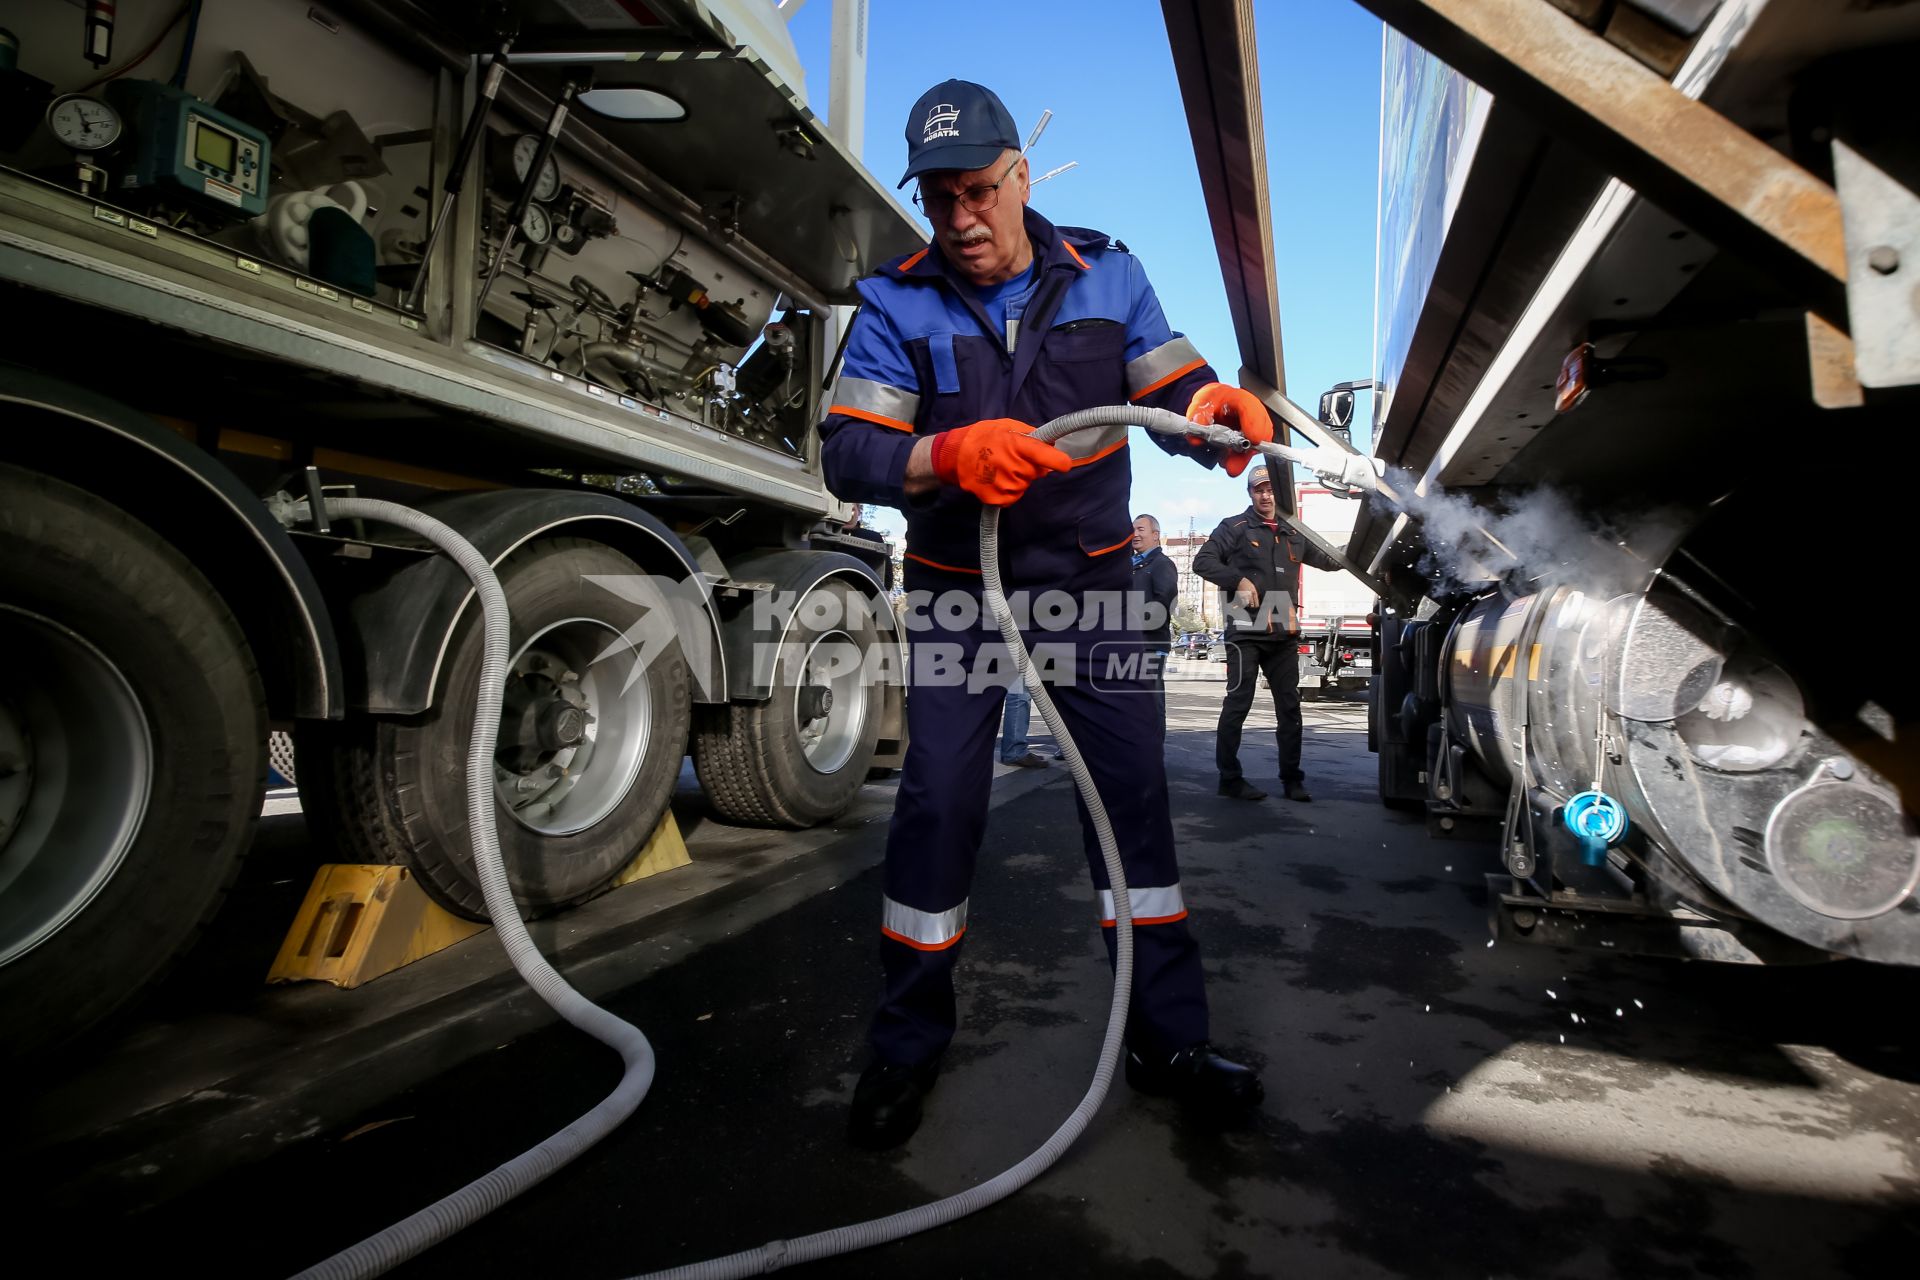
[(994, 460), (1231, 407)]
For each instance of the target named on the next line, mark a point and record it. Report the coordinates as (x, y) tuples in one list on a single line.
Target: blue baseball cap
[(957, 125)]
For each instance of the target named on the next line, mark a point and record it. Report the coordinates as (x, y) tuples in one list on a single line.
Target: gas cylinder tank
[(1671, 704)]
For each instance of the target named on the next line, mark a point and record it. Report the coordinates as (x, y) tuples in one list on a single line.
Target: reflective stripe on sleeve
[(1160, 366), (1086, 446), (874, 401)]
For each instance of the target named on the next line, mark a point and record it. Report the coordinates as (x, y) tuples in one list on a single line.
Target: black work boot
[(1200, 1077), (1297, 792), (1241, 789), (886, 1103)]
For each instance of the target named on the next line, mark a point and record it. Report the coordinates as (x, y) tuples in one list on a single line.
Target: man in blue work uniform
[(1002, 323)]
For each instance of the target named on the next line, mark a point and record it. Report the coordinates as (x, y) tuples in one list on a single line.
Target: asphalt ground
[(1436, 1106)]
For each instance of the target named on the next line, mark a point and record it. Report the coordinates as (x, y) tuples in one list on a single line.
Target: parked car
[(1194, 644)]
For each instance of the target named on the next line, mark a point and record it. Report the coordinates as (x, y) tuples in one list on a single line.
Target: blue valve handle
[(1597, 821)]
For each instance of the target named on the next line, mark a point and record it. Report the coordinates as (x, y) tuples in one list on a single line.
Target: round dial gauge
[(537, 225), (83, 123), (547, 185)]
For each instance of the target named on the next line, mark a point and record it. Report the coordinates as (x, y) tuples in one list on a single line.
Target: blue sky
[(1104, 70)]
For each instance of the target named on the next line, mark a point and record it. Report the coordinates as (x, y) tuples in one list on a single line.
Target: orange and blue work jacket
[(924, 356)]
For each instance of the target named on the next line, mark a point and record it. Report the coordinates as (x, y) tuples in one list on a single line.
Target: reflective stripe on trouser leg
[(1151, 905), (924, 930), (939, 818), (1121, 736)]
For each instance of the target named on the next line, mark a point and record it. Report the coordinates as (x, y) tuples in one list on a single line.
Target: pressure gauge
[(536, 225), (547, 185), (83, 123)]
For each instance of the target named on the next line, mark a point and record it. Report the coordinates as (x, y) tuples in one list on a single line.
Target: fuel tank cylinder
[(1663, 700)]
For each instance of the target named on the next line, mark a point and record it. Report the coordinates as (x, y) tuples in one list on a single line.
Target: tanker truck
[(1646, 360), (1336, 636), (566, 275)]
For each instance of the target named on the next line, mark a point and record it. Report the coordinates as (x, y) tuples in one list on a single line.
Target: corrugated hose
[(410, 1236)]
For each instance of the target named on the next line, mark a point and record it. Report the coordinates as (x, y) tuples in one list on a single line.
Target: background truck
[(1642, 267), (1336, 609), (579, 304)]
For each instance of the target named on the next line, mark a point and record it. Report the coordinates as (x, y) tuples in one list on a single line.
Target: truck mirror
[(1336, 409)]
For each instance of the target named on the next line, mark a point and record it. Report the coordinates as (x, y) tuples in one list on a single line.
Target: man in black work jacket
[(1255, 561), (1156, 582)]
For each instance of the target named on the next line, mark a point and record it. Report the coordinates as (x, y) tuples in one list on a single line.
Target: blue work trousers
[(940, 819)]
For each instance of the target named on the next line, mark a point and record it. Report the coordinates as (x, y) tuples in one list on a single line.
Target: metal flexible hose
[(437, 1221), (388, 1248), (864, 1235)]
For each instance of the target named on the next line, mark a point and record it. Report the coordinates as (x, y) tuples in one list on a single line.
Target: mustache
[(972, 235)]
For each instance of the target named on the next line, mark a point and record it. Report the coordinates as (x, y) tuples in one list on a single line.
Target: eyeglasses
[(938, 204)]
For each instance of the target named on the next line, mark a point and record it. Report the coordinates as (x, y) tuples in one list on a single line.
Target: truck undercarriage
[(1629, 319), (569, 285)]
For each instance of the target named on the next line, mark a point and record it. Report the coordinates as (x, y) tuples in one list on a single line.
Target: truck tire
[(777, 763), (587, 759), (132, 758)]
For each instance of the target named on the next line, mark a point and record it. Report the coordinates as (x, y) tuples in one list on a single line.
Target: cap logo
[(940, 122)]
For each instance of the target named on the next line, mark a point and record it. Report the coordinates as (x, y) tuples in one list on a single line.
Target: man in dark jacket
[(1255, 561), (1156, 583), (1002, 322)]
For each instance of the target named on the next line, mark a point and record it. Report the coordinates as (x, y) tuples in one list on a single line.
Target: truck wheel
[(586, 757), (132, 757), (800, 757)]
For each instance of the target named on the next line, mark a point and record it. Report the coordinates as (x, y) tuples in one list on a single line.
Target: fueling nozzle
[(1348, 470), (1336, 466)]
